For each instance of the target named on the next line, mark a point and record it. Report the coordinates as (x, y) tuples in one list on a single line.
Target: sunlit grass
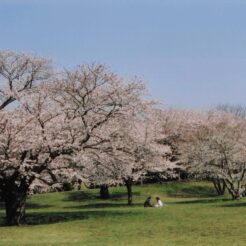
[(193, 216)]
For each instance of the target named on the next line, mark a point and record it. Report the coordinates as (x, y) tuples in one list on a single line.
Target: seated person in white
[(159, 203)]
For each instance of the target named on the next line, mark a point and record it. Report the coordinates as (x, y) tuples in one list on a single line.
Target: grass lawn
[(193, 216)]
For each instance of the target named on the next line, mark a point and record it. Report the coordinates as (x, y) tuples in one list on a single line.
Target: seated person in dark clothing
[(147, 203)]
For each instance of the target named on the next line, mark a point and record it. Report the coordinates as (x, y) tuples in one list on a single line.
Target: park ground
[(193, 215)]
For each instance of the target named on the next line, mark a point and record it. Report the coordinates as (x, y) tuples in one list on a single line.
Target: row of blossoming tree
[(210, 145), (89, 121)]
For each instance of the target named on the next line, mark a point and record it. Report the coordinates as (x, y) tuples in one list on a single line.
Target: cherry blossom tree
[(216, 150), (56, 119), (133, 149), (20, 74), (179, 127)]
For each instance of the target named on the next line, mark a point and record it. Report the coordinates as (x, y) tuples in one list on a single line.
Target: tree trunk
[(104, 192), (14, 194), (129, 190), (15, 207), (219, 186), (234, 191), (234, 194)]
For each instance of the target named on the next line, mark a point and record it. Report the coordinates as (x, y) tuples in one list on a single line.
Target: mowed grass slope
[(193, 216)]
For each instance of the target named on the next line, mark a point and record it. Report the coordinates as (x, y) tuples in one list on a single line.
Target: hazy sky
[(192, 53)]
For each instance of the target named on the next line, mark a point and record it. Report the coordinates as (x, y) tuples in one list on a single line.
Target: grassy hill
[(194, 215)]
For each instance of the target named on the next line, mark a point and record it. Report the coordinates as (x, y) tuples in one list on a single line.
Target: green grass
[(193, 216)]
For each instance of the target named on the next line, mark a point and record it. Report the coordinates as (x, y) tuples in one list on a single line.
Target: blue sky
[(192, 53)]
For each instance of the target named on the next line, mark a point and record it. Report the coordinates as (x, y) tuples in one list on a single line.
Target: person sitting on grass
[(159, 203), (147, 203)]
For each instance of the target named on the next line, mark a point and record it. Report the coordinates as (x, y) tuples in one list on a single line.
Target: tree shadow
[(81, 195), (30, 205), (193, 191), (58, 217), (105, 205), (239, 204), (120, 195), (202, 201)]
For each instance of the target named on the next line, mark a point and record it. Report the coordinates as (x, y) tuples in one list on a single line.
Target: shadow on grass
[(202, 201), (234, 205), (106, 205), (30, 205), (193, 191), (81, 195), (58, 217), (121, 195)]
